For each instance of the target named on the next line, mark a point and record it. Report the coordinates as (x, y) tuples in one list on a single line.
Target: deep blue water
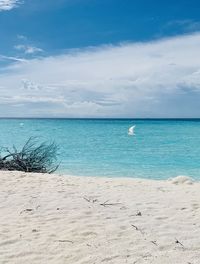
[(160, 148)]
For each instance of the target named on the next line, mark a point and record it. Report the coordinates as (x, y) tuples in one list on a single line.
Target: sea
[(159, 149)]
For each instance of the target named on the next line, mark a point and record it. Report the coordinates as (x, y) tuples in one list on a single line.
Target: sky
[(100, 58)]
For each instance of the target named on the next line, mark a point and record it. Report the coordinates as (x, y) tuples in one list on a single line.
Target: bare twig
[(178, 242), (65, 241), (26, 210), (90, 200), (108, 204), (138, 229), (154, 242)]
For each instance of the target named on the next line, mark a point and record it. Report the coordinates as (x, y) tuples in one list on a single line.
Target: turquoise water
[(160, 148)]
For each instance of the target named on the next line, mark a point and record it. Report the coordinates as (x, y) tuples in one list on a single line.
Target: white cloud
[(155, 79), (10, 58), (22, 37), (27, 49), (6, 5), (188, 25)]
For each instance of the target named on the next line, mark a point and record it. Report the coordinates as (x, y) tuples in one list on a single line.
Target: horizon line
[(107, 118)]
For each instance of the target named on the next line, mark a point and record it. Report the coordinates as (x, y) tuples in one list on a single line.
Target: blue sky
[(99, 58)]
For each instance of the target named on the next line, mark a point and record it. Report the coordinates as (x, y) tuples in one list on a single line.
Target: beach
[(90, 220)]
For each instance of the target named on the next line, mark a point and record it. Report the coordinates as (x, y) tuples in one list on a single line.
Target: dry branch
[(33, 157)]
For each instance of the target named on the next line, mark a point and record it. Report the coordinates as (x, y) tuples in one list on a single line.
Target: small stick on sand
[(26, 210), (90, 200), (69, 241), (178, 242), (108, 204), (136, 228)]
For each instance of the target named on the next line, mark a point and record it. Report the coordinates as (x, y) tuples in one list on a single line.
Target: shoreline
[(86, 220), (175, 179)]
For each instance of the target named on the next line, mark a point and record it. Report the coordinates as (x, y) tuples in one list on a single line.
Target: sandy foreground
[(65, 219)]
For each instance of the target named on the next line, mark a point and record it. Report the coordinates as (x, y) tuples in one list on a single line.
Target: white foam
[(182, 179)]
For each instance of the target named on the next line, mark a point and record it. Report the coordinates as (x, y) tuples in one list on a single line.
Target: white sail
[(131, 130)]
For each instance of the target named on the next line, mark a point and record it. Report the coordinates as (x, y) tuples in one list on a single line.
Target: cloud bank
[(6, 5), (155, 79)]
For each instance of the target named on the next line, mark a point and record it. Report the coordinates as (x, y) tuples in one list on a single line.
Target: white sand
[(63, 219)]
